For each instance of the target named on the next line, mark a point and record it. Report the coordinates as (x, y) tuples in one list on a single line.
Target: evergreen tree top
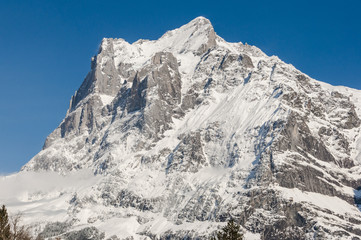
[(230, 232), (4, 224)]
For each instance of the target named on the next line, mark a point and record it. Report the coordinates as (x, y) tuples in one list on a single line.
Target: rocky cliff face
[(188, 131)]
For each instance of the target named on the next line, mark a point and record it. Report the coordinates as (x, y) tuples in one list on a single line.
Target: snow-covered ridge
[(188, 38)]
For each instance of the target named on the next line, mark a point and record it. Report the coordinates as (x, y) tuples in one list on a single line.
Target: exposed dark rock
[(294, 99), (309, 179), (103, 76), (298, 137), (137, 97), (288, 220), (89, 233), (188, 155), (246, 61), (54, 229), (351, 119), (127, 199), (189, 100), (302, 79), (230, 59)]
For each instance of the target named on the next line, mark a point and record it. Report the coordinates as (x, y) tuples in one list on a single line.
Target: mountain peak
[(200, 24), (196, 36), (188, 129), (201, 21)]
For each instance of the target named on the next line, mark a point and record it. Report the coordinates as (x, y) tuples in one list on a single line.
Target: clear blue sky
[(46, 46)]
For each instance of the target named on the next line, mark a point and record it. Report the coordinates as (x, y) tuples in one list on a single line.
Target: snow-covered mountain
[(182, 133)]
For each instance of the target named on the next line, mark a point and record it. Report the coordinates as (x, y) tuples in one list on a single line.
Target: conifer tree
[(4, 224), (230, 232)]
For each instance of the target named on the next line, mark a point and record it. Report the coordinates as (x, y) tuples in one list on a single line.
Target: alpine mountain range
[(188, 131)]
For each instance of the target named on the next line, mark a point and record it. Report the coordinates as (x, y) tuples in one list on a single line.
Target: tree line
[(11, 229)]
